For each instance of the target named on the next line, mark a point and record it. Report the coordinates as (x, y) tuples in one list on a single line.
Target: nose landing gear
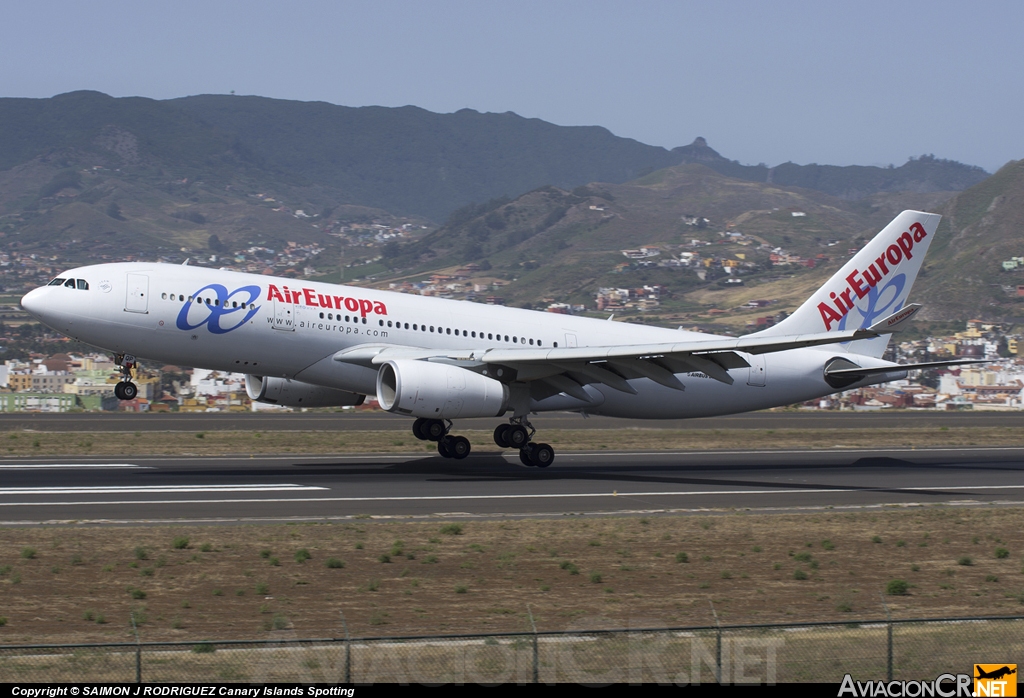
[(125, 389), (519, 434), (457, 447)]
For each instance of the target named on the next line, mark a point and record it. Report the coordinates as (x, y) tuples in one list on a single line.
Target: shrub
[(204, 648), (799, 574), (334, 563), (28, 553), (218, 592), (265, 553), (965, 561), (301, 555), (726, 574), (844, 607), (430, 560), (179, 543), (1002, 553), (452, 529), (896, 587), (461, 589), (274, 562), (828, 545), (206, 548), (384, 558), (137, 593), (802, 557), (595, 577), (682, 557), (876, 539), (140, 553), (3, 621), (262, 588)]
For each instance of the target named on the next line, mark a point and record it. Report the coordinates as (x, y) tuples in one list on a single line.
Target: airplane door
[(758, 370), (284, 316), (570, 340), (137, 299)]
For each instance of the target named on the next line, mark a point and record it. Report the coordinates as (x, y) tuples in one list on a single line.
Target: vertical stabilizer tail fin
[(875, 283)]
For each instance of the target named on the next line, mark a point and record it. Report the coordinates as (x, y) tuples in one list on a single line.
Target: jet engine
[(284, 391), (438, 391)]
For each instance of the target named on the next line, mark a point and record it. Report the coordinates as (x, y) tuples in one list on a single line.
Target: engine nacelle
[(438, 391), (289, 393)]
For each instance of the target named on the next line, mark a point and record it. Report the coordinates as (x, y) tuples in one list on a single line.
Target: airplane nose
[(32, 302)]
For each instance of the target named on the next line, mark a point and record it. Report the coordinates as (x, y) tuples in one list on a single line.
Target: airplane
[(304, 343)]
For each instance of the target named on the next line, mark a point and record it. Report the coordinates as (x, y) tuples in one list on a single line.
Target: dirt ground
[(21, 443), (81, 583)]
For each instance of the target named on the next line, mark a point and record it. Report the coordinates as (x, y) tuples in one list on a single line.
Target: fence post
[(888, 649), (536, 667), (138, 651), (348, 650), (718, 645)]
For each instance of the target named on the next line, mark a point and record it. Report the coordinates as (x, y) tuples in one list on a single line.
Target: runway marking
[(157, 489), (44, 466), (429, 498)]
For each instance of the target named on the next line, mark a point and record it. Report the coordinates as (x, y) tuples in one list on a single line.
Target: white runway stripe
[(157, 489), (571, 495), (52, 466)]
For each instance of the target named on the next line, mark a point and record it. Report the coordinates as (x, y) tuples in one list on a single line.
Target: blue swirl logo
[(213, 306), (875, 310)]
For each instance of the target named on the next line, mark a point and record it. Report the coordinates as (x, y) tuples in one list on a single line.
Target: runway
[(375, 420), (217, 490)]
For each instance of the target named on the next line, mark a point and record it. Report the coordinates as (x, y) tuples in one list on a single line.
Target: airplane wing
[(567, 369)]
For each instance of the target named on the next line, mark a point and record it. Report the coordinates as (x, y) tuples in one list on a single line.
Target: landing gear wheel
[(443, 448), (517, 436), (459, 447), (118, 391), (417, 429), (501, 435), (434, 430), (129, 390), (542, 455), (524, 458)]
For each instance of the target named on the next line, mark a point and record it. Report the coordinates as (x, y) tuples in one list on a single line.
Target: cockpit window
[(56, 282), (70, 283), (83, 285)]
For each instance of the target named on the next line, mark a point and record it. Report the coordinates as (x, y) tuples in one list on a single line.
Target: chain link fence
[(818, 652)]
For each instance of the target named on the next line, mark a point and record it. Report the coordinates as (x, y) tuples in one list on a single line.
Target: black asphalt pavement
[(495, 484), (368, 420)]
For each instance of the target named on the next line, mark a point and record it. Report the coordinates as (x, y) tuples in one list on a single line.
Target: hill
[(405, 160), (709, 245), (980, 230)]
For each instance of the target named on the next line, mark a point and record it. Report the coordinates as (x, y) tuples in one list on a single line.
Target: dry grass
[(20, 443), (573, 572)]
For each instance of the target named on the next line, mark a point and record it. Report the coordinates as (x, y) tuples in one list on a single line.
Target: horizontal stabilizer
[(857, 371), (897, 321)]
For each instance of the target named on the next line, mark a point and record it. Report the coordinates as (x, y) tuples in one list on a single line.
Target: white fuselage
[(291, 328)]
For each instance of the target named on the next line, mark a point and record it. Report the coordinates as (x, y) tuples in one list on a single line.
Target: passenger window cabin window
[(381, 322), (364, 321), (163, 296), (490, 335), (515, 340), (531, 342), (556, 345), (321, 316), (449, 331)]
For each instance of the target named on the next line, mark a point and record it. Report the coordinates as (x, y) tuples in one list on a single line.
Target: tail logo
[(864, 284)]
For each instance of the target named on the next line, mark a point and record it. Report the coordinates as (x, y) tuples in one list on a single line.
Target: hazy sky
[(828, 82)]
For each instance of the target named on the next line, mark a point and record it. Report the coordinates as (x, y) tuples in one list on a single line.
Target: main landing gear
[(437, 430), (519, 434), (125, 389)]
